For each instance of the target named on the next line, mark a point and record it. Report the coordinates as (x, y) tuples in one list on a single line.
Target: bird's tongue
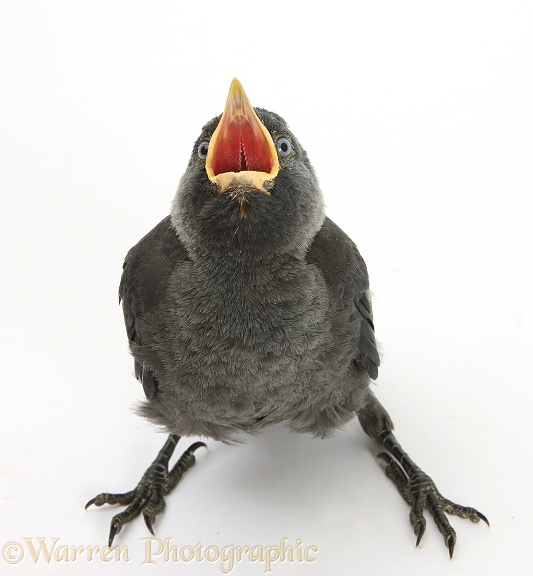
[(241, 151), (241, 146)]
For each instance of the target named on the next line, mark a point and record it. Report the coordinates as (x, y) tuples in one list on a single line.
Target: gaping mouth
[(241, 151)]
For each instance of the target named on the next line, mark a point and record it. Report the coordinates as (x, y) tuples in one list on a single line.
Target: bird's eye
[(202, 149), (283, 146)]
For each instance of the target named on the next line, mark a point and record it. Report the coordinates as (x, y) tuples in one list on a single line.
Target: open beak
[(241, 151)]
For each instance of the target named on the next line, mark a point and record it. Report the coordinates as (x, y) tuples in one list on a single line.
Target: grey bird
[(247, 306)]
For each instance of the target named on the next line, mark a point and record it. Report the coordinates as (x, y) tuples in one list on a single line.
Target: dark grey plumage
[(246, 307), (239, 320)]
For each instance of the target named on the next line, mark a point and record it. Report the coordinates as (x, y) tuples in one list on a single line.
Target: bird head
[(249, 186)]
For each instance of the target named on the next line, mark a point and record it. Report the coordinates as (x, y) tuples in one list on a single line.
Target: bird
[(247, 306)]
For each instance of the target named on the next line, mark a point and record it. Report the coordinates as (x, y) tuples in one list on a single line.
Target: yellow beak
[(241, 152)]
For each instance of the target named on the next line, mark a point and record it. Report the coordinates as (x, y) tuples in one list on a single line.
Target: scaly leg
[(148, 496), (417, 488)]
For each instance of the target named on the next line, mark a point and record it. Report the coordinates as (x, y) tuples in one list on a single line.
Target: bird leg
[(416, 487), (148, 496)]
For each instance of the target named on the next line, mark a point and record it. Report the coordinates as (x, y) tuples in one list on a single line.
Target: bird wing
[(145, 277), (346, 276)]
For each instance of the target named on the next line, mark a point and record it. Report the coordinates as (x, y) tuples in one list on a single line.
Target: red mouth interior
[(239, 147)]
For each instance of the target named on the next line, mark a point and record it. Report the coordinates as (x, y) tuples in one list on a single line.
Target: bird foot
[(419, 490), (148, 496)]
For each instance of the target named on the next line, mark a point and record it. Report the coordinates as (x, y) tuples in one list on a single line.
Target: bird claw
[(148, 521), (481, 517), (420, 532), (148, 496), (113, 531), (450, 540), (419, 490)]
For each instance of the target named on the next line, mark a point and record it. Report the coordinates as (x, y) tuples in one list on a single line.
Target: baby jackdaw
[(248, 306)]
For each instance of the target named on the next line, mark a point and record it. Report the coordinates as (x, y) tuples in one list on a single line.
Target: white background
[(418, 119)]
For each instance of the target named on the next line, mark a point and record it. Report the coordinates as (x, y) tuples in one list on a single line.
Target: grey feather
[(247, 306), (239, 321)]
